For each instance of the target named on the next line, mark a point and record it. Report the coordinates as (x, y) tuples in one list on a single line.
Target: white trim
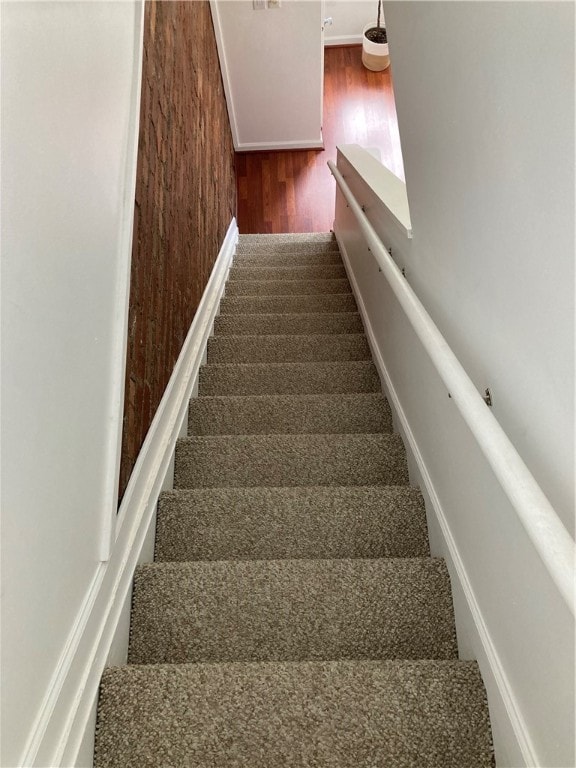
[(493, 667), (114, 447), (66, 712), (385, 184), (274, 146), (217, 24), (342, 40)]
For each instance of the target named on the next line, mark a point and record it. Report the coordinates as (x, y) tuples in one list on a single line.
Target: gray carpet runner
[(293, 615)]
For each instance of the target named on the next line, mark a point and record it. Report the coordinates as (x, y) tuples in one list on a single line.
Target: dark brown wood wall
[(185, 200)]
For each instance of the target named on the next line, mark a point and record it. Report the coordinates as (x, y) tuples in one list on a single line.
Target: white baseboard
[(514, 745), (276, 146), (342, 40), (64, 729)]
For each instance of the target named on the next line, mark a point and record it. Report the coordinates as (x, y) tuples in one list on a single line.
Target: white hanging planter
[(375, 56)]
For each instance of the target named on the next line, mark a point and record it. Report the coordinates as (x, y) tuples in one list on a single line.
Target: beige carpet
[(293, 615)]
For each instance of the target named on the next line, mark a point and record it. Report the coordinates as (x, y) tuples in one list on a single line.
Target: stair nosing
[(294, 561)]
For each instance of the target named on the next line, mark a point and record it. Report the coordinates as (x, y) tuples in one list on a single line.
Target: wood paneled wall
[(185, 199)]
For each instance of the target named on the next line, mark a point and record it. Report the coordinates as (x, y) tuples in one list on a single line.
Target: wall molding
[(276, 146), (66, 713), (493, 673), (343, 40), (113, 454)]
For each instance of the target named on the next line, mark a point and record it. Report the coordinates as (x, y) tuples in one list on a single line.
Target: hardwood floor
[(294, 191)]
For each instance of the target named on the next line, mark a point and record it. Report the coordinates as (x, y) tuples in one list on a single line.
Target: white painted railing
[(539, 518)]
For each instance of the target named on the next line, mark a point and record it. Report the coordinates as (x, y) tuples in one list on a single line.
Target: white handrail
[(539, 518)]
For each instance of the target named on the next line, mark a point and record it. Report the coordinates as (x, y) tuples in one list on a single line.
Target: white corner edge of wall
[(383, 182), (276, 146), (493, 672), (59, 729), (120, 339), (225, 71)]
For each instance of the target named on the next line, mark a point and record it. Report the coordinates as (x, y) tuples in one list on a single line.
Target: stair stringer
[(512, 741), (100, 635)]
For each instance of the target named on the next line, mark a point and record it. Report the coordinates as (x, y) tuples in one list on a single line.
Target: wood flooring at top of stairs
[(293, 191)]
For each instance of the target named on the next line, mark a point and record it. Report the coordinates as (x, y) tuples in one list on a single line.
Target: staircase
[(293, 615)]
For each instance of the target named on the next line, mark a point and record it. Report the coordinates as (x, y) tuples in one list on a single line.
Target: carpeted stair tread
[(290, 414), (336, 302), (314, 272), (263, 325), (282, 244), (284, 523), (292, 610), (340, 714), (267, 258), (293, 615), (287, 237), (288, 378), (288, 349), (286, 287), (289, 460)]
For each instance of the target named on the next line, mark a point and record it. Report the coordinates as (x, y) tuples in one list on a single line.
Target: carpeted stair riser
[(288, 349), (286, 248), (340, 714), (265, 325), (280, 244), (322, 272), (296, 238), (289, 414), (242, 461), (288, 378), (280, 288), (290, 523), (312, 303), (292, 610)]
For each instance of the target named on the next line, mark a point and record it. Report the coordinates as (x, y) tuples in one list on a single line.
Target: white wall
[(349, 19), (485, 101), (271, 64), (70, 87), (488, 143)]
